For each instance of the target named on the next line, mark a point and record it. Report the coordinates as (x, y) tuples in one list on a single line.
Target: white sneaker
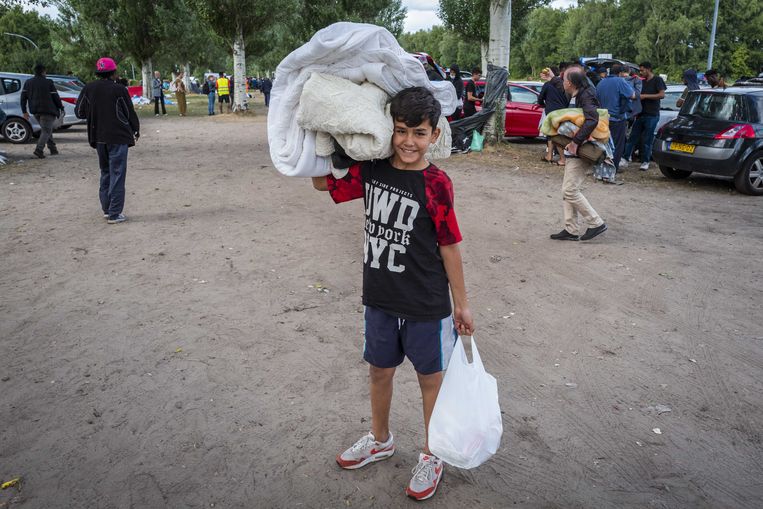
[(627, 161), (426, 477), (644, 166), (365, 451)]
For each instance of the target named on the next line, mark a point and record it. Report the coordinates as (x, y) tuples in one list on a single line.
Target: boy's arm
[(462, 315)]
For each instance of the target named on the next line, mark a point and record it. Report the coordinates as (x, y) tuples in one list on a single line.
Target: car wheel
[(749, 180), (17, 130), (673, 173)]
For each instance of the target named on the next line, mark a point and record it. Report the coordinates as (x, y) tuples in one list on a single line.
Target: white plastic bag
[(466, 427)]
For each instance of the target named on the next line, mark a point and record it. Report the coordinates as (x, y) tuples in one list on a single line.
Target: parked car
[(533, 85), (668, 108), (16, 129), (607, 63), (718, 132), (522, 110), (68, 88)]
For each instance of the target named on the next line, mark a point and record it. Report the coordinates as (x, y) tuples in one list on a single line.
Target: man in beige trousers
[(575, 204)]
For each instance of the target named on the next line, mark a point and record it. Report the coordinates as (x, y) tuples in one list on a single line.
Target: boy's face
[(411, 144)]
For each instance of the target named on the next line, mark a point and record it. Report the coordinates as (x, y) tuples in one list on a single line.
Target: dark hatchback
[(718, 132)]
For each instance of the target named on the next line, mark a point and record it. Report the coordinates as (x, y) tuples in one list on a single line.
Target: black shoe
[(39, 154), (593, 232), (53, 151), (564, 235)]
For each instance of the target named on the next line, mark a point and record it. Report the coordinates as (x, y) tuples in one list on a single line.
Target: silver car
[(16, 129)]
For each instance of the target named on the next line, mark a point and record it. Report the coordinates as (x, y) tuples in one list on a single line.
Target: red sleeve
[(440, 206), (347, 188)]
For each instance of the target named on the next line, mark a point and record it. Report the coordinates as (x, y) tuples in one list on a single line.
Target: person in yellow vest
[(223, 91)]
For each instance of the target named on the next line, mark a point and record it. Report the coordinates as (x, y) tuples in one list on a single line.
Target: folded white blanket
[(354, 51), (355, 115)]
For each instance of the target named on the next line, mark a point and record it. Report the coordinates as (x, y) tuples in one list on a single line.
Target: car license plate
[(681, 147)]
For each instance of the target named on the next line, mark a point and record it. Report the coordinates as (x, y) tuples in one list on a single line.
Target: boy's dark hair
[(555, 70), (476, 70), (39, 69), (616, 69), (414, 105), (563, 66), (105, 74), (646, 65), (711, 72), (222, 74)]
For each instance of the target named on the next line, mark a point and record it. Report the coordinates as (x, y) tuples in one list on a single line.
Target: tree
[(136, 27), (499, 48), (17, 53), (234, 21)]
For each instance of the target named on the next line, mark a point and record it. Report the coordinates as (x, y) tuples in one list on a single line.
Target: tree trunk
[(187, 76), (239, 72), (483, 57), (498, 55), (146, 75)]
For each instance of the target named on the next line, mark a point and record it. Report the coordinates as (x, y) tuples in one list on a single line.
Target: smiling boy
[(411, 262)]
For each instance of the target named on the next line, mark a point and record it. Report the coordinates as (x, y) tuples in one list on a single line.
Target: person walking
[(223, 91), (112, 127), (158, 93), (551, 98), (46, 106), (208, 89), (615, 94), (267, 86), (652, 91), (575, 204), (180, 91)]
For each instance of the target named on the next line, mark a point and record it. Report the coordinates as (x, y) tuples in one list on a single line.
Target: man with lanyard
[(223, 91), (46, 106), (614, 93), (652, 91)]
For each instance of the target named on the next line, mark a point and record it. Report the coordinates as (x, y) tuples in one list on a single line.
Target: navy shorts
[(389, 340)]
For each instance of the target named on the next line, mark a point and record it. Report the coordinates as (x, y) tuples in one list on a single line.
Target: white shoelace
[(363, 443), (424, 471)]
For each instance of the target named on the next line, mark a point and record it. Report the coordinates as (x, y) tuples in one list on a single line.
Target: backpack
[(205, 88)]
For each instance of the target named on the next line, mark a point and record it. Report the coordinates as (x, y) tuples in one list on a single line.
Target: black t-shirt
[(651, 107), (409, 214), (469, 108)]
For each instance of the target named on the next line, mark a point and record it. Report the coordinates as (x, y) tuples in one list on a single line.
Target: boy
[(411, 258)]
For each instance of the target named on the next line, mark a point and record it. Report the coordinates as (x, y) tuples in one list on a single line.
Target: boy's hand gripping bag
[(465, 428)]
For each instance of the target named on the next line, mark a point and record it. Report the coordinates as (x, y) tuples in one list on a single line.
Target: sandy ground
[(183, 360)]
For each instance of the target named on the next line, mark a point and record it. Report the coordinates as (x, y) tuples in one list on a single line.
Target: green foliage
[(19, 55), (445, 46), (672, 34)]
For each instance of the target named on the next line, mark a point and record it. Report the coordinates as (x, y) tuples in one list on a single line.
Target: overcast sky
[(422, 14)]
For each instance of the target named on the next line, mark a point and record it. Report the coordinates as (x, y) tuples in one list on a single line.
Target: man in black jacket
[(577, 86), (112, 127), (45, 105)]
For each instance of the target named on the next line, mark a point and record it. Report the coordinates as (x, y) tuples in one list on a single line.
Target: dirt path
[(183, 360)]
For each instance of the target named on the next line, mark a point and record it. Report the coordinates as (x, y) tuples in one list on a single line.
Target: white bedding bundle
[(359, 53)]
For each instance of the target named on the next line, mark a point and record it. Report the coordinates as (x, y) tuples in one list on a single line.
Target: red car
[(522, 110)]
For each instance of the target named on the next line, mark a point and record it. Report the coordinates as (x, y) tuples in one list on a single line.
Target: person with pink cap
[(112, 127)]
